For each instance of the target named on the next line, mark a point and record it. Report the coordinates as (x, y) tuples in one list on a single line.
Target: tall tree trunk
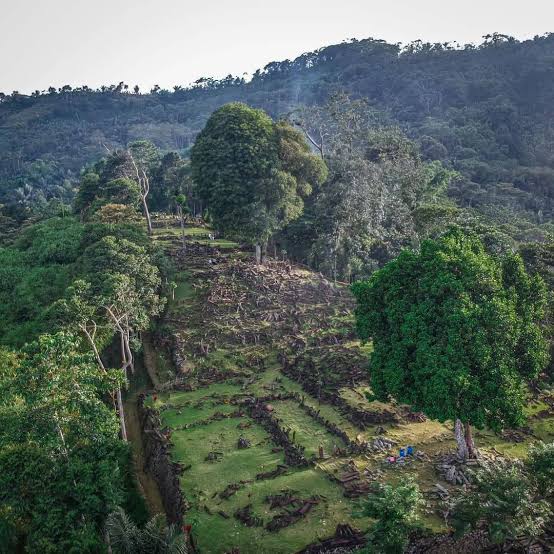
[(182, 218), (468, 435), (90, 337), (258, 253), (144, 184), (121, 415), (128, 351), (146, 214), (460, 440)]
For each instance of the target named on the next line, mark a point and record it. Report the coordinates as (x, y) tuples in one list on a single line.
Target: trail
[(139, 384)]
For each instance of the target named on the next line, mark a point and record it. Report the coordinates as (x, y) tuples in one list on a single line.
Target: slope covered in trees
[(428, 182), (486, 111)]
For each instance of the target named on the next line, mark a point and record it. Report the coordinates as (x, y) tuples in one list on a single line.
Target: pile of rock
[(244, 515), (455, 470), (280, 521), (381, 444), (243, 443), (346, 539)]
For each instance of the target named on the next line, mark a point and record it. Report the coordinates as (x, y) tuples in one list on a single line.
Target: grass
[(194, 437), (216, 534), (205, 478), (199, 235), (203, 481), (304, 430)]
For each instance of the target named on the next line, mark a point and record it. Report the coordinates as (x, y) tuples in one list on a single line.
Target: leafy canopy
[(395, 509), (60, 455), (252, 173), (505, 498), (455, 331)]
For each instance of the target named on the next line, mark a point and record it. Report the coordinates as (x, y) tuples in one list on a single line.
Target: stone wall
[(157, 462)]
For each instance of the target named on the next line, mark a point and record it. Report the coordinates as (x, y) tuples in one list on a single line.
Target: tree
[(123, 191), (125, 284), (110, 200), (113, 214), (455, 332), (125, 537), (365, 212), (34, 272), (182, 208), (506, 500), (144, 157), (80, 308), (395, 509), (87, 193), (540, 466), (170, 178), (59, 450), (251, 173)]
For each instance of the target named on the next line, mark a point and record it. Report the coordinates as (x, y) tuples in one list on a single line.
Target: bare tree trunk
[(182, 218), (460, 440), (146, 213), (258, 253), (90, 336), (126, 361), (121, 415), (318, 146), (130, 357), (144, 185), (470, 444)]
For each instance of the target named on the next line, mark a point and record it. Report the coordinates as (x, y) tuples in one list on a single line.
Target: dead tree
[(144, 184), (123, 327)]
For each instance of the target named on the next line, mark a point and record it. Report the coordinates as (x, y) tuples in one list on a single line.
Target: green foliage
[(119, 191), (455, 331), (122, 274), (154, 538), (395, 509), (87, 192), (375, 201), (63, 467), (170, 179), (462, 104), (251, 173), (540, 466), (506, 500), (35, 272), (60, 453)]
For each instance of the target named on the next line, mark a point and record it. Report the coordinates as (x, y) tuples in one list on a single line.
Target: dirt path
[(148, 486)]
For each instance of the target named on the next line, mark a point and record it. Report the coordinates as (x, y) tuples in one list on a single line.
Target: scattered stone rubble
[(345, 539)]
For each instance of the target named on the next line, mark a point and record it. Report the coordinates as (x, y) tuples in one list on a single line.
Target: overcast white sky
[(168, 42)]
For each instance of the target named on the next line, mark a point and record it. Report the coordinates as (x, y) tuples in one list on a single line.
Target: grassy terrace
[(206, 478), (206, 428)]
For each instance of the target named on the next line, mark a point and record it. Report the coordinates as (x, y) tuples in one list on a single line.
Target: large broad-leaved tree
[(455, 332), (252, 173)]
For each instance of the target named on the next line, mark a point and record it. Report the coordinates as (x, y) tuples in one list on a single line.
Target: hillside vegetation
[(484, 110), (267, 355), (323, 328)]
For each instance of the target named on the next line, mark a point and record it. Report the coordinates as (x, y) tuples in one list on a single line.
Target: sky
[(167, 42)]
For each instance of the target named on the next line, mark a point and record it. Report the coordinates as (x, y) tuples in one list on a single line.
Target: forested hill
[(487, 111)]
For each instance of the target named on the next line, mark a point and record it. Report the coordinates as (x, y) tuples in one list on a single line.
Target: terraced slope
[(262, 389)]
